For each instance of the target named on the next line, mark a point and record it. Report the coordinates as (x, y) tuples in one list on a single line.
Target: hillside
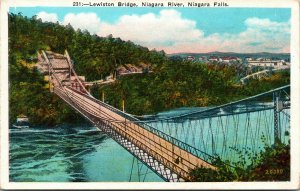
[(172, 84), (94, 57)]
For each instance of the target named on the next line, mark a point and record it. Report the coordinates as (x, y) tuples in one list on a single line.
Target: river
[(69, 153)]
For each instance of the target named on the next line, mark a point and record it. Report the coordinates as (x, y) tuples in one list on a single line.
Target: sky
[(195, 30)]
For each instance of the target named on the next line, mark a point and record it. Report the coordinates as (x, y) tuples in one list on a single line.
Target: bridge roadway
[(177, 161), (170, 161)]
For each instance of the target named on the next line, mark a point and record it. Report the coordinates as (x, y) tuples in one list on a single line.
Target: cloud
[(266, 34), (47, 17), (171, 32), (267, 24), (260, 35), (166, 28), (83, 21)]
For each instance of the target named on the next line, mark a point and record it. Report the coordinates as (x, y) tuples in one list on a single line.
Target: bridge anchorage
[(173, 146)]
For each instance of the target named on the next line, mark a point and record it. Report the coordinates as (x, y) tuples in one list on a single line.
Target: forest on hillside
[(94, 57), (172, 84)]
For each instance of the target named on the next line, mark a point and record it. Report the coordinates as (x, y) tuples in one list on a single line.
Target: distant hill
[(285, 56)]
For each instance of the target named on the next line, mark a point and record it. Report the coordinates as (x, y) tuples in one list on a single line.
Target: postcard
[(180, 94)]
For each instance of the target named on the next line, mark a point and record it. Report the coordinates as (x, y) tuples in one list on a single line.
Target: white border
[(295, 106)]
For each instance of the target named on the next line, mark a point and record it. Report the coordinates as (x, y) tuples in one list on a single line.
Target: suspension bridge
[(173, 146), (261, 74)]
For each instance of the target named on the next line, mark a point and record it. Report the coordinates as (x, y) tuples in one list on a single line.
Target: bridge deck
[(168, 160), (178, 160)]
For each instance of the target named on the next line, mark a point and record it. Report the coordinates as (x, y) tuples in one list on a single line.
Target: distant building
[(263, 59), (203, 58), (190, 58), (22, 118), (122, 70), (133, 69), (22, 121), (213, 58), (230, 59), (277, 64), (145, 67)]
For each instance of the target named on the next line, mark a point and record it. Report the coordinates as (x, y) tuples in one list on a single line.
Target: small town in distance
[(262, 60)]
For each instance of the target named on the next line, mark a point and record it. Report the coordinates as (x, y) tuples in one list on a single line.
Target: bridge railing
[(249, 123), (192, 150), (260, 102), (121, 126)]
